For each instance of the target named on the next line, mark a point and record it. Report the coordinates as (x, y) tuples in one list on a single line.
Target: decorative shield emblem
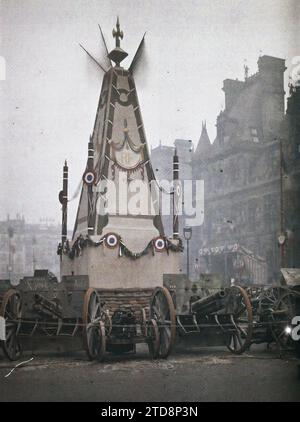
[(89, 177), (159, 244), (111, 240), (127, 154), (178, 189), (281, 239), (127, 159)]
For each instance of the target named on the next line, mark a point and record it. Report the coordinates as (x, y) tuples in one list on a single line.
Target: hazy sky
[(50, 95)]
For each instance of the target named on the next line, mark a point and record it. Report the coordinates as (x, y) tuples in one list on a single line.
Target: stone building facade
[(162, 161), (243, 171), (25, 247), (290, 136)]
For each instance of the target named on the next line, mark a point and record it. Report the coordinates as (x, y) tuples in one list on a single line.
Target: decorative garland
[(129, 170), (112, 240)]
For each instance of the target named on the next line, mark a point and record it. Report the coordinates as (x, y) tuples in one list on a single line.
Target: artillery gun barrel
[(209, 304), (46, 306)]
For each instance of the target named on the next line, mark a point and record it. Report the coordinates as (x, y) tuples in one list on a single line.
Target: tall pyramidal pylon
[(118, 238)]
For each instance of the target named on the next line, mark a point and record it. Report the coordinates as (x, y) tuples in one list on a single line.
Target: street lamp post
[(281, 243), (33, 254), (282, 239), (187, 232)]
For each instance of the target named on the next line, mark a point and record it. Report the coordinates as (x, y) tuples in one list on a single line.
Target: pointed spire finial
[(117, 33), (117, 54), (204, 142), (246, 70)]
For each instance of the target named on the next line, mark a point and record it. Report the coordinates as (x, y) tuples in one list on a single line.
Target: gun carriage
[(40, 306), (274, 308), (115, 321), (215, 314), (120, 275), (111, 290), (236, 316)]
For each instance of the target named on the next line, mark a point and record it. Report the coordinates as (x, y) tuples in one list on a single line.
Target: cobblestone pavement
[(201, 374)]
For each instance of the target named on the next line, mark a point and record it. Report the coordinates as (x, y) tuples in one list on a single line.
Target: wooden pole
[(282, 223), (90, 166), (176, 197), (64, 226)]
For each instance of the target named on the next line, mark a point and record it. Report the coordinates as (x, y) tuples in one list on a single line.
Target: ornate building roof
[(204, 143)]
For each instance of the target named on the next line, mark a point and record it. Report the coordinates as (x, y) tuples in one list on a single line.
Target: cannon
[(237, 316), (274, 308), (40, 306), (212, 313), (209, 304)]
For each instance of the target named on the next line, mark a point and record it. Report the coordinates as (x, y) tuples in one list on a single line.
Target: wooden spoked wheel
[(106, 318), (94, 337), (239, 309), (162, 310), (268, 298), (272, 294), (143, 322), (153, 338), (284, 311), (11, 311), (102, 342)]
